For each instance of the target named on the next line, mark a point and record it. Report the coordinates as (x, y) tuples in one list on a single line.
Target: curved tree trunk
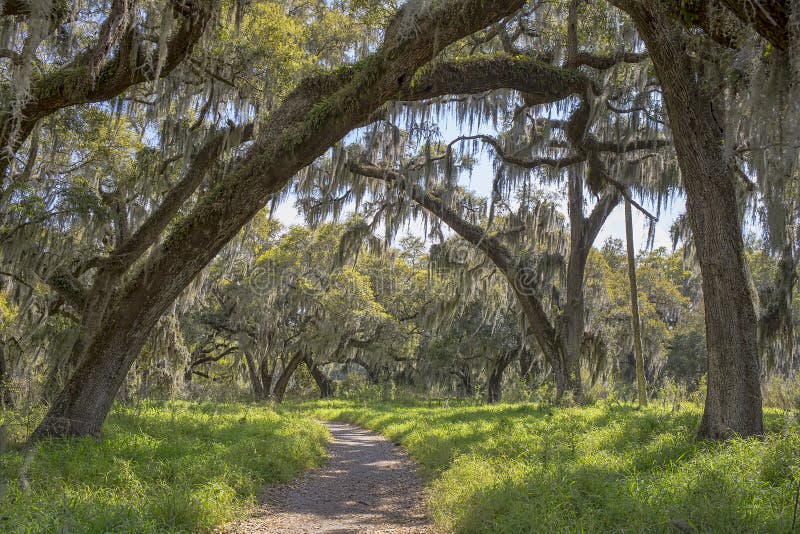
[(733, 400), (641, 381), (283, 381)]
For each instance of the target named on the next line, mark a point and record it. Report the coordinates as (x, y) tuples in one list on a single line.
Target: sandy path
[(369, 485)]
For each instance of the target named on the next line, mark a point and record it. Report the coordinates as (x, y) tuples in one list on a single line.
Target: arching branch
[(539, 82), (534, 163)]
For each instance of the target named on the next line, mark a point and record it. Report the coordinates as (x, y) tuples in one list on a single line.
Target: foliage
[(160, 467)]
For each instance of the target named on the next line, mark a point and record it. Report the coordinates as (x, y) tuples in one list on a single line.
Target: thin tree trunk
[(526, 366), (283, 381), (266, 378), (6, 400), (570, 323), (641, 381), (733, 399), (494, 382)]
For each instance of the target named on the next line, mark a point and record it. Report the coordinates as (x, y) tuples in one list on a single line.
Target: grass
[(607, 468), (185, 467), (160, 467)]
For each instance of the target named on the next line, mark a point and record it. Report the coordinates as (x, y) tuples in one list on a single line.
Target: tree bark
[(527, 366), (733, 400), (494, 382), (6, 399), (283, 381), (266, 378), (641, 381), (255, 379), (319, 112), (325, 384)]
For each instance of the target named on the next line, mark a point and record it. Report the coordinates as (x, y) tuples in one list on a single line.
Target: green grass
[(160, 467), (608, 468)]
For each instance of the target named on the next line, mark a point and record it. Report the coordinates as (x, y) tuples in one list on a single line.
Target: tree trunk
[(86, 399), (527, 366), (283, 381), (641, 381), (570, 323), (266, 378), (325, 384), (255, 379), (6, 400), (733, 400), (494, 382), (314, 116), (465, 382)]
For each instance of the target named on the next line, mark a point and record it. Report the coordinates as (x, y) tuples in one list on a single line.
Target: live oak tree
[(697, 117), (287, 141), (561, 338)]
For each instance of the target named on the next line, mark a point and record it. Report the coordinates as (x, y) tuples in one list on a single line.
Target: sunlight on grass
[(160, 467), (606, 468)]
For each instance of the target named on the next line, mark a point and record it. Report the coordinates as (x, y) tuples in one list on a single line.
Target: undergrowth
[(160, 467), (606, 468)]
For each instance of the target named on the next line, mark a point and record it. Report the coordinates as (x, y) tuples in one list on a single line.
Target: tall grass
[(607, 468), (160, 467)]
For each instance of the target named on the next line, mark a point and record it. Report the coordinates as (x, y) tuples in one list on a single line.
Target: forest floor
[(368, 485)]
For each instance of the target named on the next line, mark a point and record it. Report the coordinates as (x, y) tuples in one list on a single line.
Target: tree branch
[(130, 250), (474, 234), (770, 18), (556, 163), (539, 82), (75, 83)]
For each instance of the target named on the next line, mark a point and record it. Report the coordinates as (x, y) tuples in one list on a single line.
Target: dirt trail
[(369, 485)]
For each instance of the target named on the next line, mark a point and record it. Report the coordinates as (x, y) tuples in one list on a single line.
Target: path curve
[(368, 485)]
